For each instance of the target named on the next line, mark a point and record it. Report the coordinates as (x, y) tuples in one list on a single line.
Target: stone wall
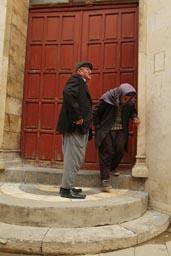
[(155, 75), (12, 53), (3, 67)]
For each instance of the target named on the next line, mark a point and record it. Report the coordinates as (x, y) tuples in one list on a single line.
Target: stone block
[(11, 140), (90, 240), (125, 252), (12, 123), (152, 224), (13, 106), (168, 245), (152, 250), (21, 239), (14, 87)]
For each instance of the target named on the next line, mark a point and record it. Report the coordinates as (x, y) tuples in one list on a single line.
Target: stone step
[(52, 176), (41, 205), (87, 240)]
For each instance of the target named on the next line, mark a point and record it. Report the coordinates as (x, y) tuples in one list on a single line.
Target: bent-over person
[(111, 120)]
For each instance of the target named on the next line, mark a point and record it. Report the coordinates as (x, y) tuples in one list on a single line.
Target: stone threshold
[(52, 176)]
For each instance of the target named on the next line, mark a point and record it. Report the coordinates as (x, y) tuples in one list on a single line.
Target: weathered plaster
[(158, 102)]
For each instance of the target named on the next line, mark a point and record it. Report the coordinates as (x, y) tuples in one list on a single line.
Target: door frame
[(87, 3)]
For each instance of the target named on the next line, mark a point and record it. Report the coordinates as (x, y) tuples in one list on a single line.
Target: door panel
[(57, 40), (109, 41), (52, 51)]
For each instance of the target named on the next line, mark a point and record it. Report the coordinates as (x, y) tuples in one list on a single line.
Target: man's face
[(85, 72)]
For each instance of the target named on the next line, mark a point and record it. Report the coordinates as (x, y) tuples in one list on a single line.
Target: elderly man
[(75, 125)]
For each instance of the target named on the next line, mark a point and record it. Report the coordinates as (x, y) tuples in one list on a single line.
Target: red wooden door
[(110, 42), (57, 40)]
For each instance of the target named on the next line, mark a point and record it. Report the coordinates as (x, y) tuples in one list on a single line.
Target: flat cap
[(83, 64)]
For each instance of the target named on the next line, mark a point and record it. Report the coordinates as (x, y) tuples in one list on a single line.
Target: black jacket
[(104, 116), (77, 104)]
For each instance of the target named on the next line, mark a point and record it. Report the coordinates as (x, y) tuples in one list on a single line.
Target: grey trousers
[(74, 147)]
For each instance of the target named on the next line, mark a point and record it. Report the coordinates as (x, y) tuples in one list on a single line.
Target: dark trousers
[(111, 152)]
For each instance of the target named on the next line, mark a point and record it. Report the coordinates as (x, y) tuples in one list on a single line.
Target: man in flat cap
[(75, 125)]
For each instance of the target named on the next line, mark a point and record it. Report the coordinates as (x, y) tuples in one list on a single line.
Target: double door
[(57, 40)]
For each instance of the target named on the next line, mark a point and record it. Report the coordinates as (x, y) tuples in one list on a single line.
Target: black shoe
[(69, 193), (75, 190)]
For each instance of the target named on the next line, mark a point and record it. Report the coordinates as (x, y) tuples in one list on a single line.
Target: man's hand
[(78, 122)]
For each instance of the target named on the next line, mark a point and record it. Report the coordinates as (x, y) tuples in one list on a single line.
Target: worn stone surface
[(21, 239), (73, 241), (168, 245), (44, 200), (53, 176), (87, 240), (152, 224), (124, 252), (47, 209), (152, 250)]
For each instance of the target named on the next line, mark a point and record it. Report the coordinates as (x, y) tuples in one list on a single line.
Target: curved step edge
[(69, 214), (74, 241)]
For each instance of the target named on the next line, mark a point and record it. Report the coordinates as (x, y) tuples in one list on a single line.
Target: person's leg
[(119, 150), (105, 157), (106, 152), (74, 147)]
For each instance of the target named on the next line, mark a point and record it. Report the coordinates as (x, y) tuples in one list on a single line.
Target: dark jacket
[(104, 115), (77, 104)]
